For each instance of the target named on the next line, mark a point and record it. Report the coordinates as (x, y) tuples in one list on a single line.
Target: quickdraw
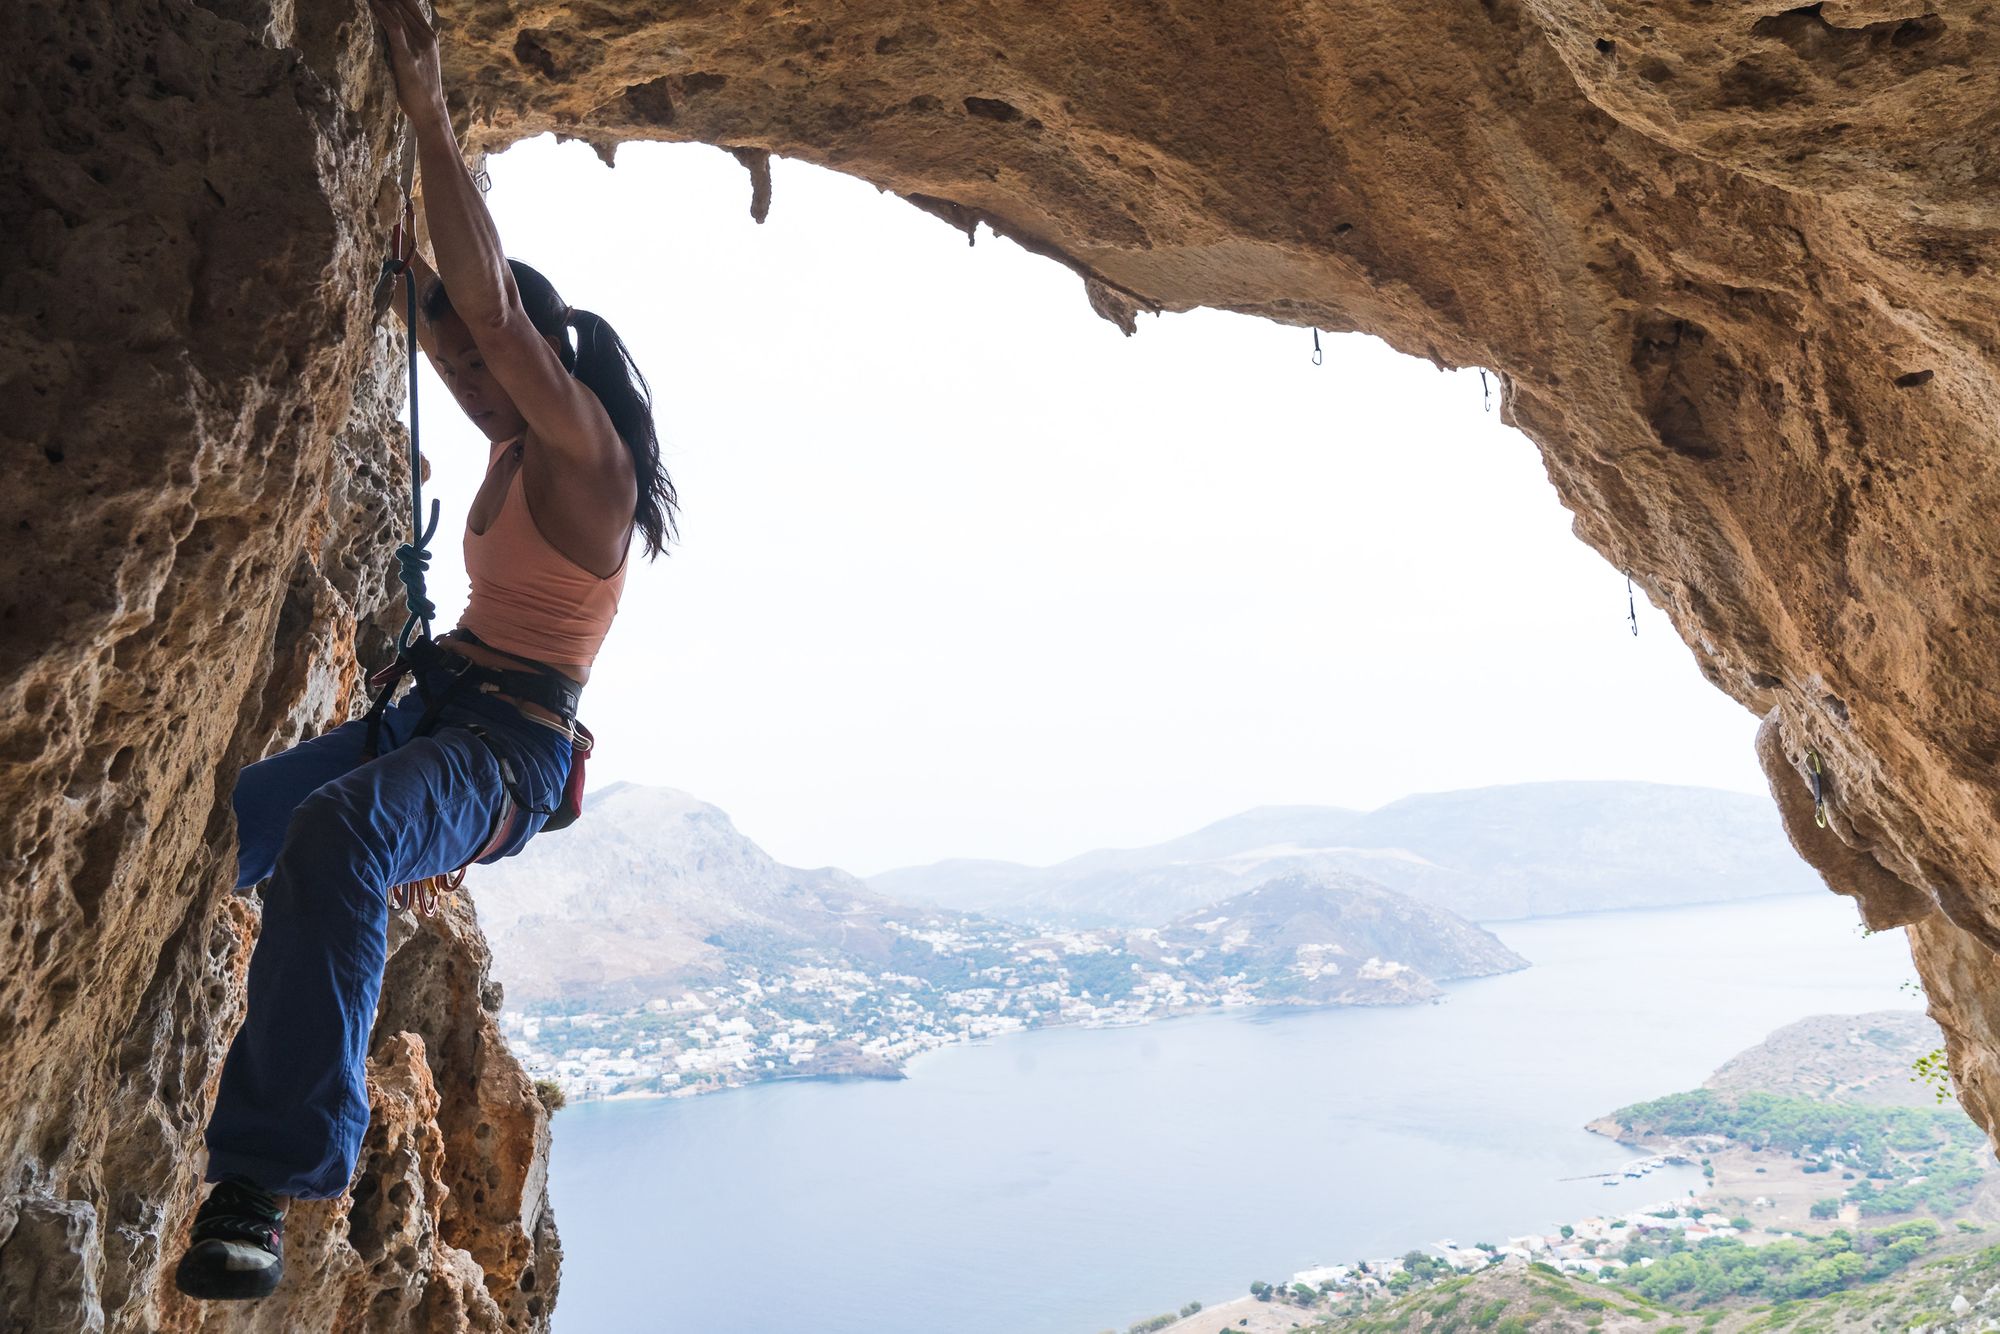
[(425, 895)]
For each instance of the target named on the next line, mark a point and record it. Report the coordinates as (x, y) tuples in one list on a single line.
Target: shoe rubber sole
[(204, 1273)]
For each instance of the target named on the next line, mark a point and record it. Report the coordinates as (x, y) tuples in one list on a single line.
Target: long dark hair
[(599, 358)]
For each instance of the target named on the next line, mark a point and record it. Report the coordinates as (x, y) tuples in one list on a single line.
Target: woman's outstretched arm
[(564, 415)]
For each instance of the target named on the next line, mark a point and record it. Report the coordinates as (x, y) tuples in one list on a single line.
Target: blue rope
[(411, 562), (413, 558)]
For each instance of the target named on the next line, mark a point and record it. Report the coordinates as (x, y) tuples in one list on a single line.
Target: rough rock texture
[(1733, 262), (201, 462)]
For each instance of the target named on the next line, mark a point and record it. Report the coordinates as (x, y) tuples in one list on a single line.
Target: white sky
[(965, 572)]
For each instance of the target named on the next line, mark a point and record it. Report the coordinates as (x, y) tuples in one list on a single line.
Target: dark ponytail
[(598, 357)]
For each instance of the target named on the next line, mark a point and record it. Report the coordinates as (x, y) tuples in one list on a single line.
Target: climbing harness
[(1818, 786), (1316, 355), (419, 657), (1631, 606)]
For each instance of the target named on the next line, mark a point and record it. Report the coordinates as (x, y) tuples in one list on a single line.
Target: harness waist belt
[(549, 689)]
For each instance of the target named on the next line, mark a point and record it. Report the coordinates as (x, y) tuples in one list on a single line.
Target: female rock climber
[(574, 471)]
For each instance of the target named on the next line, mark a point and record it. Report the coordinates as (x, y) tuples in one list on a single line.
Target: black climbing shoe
[(237, 1249)]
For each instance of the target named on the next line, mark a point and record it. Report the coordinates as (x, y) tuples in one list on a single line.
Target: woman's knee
[(330, 840)]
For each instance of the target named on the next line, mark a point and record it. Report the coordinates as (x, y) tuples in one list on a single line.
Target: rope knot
[(411, 562)]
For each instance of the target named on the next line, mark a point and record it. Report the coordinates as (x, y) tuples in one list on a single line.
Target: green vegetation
[(1900, 1159), (1906, 1296), (1724, 1267), (551, 1094), (1934, 1070), (1863, 1136)]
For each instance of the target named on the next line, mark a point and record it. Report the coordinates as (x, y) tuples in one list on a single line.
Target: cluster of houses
[(803, 1020), (1588, 1248)]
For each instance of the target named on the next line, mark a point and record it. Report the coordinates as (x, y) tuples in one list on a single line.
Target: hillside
[(655, 948), (1486, 854), (1852, 1058), (655, 889), (1952, 1294), (1330, 938)]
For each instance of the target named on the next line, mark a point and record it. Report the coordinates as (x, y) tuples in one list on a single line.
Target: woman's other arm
[(564, 415)]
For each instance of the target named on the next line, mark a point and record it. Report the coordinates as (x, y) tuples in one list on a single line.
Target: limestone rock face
[(202, 480), (1735, 264)]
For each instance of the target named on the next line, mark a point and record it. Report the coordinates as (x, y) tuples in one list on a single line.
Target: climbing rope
[(1631, 606), (412, 558), (1485, 393)]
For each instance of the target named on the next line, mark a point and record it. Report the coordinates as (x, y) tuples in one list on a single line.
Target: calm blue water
[(1066, 1181)]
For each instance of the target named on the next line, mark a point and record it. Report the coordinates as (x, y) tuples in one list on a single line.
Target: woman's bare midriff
[(486, 657)]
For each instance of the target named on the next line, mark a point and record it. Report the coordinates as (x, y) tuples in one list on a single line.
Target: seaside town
[(781, 1019), (786, 1020)]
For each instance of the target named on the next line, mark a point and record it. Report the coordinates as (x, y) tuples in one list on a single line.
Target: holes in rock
[(1680, 369), (484, 1130), (103, 852), (694, 85), (531, 49), (1655, 70), (888, 46), (52, 454), (1914, 32), (1605, 46), (1759, 83), (1807, 32), (121, 763), (992, 108), (923, 102), (399, 1194), (528, 1279), (1764, 681), (652, 101), (364, 1233), (1913, 379)]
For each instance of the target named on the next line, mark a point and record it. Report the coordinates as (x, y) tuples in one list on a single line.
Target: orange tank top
[(528, 598)]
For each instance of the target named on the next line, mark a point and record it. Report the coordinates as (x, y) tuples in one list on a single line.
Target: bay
[(1071, 1180)]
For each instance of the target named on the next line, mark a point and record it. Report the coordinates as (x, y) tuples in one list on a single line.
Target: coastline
[(903, 1067)]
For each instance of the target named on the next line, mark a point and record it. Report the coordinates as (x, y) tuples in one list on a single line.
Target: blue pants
[(332, 833)]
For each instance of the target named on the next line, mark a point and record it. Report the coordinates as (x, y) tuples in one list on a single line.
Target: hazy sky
[(965, 572)]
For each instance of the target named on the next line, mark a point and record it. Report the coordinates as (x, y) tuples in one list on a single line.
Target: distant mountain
[(654, 889), (654, 892), (1329, 939), (1486, 854)]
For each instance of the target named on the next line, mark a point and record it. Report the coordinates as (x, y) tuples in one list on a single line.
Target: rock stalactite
[(1734, 264)]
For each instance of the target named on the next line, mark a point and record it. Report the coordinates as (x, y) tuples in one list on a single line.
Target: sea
[(1071, 1180)]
